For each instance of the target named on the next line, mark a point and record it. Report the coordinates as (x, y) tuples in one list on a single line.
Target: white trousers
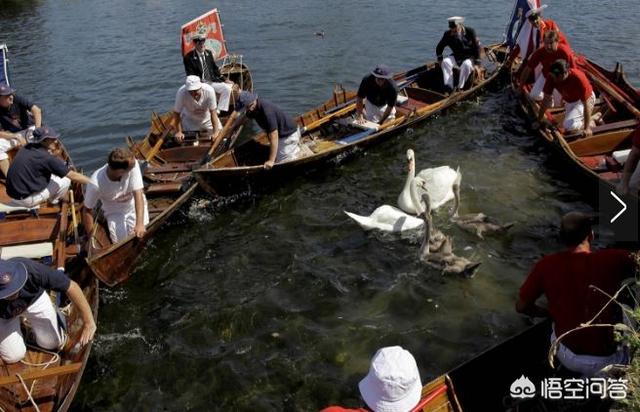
[(448, 63), (57, 187), (537, 92), (44, 324), (374, 113), (574, 114), (121, 224), (587, 365), (8, 144), (289, 147), (224, 90)]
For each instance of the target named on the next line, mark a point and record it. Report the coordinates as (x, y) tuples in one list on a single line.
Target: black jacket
[(465, 47), (193, 66)]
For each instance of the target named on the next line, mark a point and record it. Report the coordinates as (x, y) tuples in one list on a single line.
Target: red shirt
[(575, 87), (565, 278), (546, 58), (549, 24)]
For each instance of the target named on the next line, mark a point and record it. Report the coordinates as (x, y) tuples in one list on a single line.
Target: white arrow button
[(624, 207)]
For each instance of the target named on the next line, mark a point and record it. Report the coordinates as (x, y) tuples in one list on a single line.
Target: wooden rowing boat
[(600, 157), (46, 234), (168, 180), (484, 382), (328, 134)]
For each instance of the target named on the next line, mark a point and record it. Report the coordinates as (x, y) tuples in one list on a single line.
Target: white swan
[(388, 218), (441, 183)]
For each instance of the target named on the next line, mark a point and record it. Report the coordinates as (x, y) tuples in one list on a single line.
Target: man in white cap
[(465, 46), (544, 25), (377, 95), (200, 62), (195, 109), (23, 294), (37, 174), (18, 118), (392, 385)]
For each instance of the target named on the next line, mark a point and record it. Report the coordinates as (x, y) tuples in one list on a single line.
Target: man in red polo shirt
[(544, 57), (630, 165), (577, 93), (565, 278), (535, 18)]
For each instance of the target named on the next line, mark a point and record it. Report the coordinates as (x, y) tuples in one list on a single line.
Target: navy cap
[(42, 133), (5, 90), (245, 99), (381, 71), (199, 37), (13, 276)]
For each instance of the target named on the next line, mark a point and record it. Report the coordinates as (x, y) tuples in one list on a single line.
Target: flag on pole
[(209, 26), (519, 31)]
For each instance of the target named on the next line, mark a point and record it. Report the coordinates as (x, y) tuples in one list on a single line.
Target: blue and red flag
[(520, 32)]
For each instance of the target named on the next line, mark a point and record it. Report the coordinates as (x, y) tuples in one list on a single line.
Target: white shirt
[(116, 197), (195, 115)]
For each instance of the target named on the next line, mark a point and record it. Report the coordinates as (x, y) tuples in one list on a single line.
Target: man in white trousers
[(23, 294), (465, 46)]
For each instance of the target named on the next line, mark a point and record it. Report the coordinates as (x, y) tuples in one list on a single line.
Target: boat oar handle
[(228, 126)]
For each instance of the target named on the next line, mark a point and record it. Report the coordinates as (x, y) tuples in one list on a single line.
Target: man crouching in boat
[(567, 280), (545, 56), (577, 93), (119, 187), (18, 118), (195, 109), (37, 173), (465, 46), (282, 131), (377, 95), (23, 294)]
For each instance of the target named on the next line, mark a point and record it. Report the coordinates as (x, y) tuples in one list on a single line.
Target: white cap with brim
[(456, 19), (393, 382), (193, 83), (537, 10)]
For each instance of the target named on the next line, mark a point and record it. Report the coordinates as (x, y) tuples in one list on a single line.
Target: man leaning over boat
[(38, 174), (282, 132), (577, 93), (18, 118), (544, 57), (465, 46), (23, 294), (377, 95), (567, 279), (119, 187)]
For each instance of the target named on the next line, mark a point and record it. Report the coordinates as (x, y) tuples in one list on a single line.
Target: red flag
[(208, 25)]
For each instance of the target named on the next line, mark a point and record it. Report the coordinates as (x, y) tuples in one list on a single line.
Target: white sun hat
[(536, 10), (393, 382), (193, 83)]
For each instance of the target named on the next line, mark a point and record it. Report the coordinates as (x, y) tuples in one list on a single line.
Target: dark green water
[(278, 303)]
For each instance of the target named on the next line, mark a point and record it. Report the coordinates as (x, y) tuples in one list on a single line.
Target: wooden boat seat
[(170, 168), (13, 232), (623, 124), (161, 188), (423, 96), (31, 251)]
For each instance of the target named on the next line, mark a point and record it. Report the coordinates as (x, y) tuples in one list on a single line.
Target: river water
[(278, 302)]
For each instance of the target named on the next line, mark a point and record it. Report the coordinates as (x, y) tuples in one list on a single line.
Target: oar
[(74, 218), (613, 93), (61, 254), (41, 373), (156, 148)]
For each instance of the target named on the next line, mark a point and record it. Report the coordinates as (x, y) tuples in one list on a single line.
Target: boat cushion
[(32, 251), (400, 100), (350, 122)]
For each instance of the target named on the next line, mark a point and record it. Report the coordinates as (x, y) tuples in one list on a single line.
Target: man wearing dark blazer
[(465, 46), (200, 62)]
